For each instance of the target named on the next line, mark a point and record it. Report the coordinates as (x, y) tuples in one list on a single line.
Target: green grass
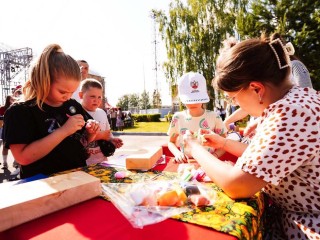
[(161, 127)]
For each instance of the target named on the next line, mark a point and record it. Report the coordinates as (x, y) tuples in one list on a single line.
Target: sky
[(116, 38)]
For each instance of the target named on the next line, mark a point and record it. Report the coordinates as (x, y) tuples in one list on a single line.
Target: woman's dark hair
[(251, 60)]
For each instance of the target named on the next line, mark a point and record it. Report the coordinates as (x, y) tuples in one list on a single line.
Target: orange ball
[(169, 198)]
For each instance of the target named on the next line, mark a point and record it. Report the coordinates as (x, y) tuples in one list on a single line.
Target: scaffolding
[(13, 63)]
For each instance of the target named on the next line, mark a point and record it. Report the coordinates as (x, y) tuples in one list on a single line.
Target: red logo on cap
[(194, 84)]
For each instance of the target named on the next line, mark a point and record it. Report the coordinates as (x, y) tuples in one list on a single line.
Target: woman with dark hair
[(282, 158)]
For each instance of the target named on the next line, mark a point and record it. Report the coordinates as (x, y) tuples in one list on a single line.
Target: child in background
[(47, 131), (192, 90), (91, 96)]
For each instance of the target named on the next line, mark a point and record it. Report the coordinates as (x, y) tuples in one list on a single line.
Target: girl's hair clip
[(286, 53), (290, 49)]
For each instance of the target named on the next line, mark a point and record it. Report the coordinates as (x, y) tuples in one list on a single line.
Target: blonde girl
[(47, 131)]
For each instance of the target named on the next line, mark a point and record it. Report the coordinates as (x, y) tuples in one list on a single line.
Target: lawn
[(161, 127)]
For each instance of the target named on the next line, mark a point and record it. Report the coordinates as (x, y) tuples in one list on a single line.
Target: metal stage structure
[(13, 63)]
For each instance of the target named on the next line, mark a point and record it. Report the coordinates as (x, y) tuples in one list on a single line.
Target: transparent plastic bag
[(146, 203)]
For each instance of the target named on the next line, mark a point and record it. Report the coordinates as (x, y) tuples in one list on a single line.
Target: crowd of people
[(64, 126)]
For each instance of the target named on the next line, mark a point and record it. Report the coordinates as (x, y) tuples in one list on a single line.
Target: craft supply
[(122, 174), (144, 159), (24, 202)]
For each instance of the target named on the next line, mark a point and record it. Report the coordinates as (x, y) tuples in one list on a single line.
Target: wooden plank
[(144, 158), (24, 202)]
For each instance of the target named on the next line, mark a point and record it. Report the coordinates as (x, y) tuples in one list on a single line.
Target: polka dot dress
[(285, 153)]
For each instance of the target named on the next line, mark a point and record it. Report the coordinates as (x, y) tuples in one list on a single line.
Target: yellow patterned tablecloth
[(242, 218)]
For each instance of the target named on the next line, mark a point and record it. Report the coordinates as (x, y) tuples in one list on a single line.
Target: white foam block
[(24, 202), (144, 158)]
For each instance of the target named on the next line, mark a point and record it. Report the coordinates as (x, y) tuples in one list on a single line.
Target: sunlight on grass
[(161, 127)]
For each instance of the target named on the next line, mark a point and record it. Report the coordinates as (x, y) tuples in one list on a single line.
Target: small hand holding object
[(92, 126), (180, 157), (73, 124)]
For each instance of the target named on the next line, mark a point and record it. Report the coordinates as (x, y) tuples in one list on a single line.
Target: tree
[(156, 99), (123, 102), (128, 101), (193, 33), (144, 100), (194, 29), (297, 20), (134, 100)]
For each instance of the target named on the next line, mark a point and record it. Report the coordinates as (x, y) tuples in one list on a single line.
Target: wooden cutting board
[(24, 202)]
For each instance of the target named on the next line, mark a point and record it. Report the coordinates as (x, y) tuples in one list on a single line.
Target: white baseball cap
[(192, 88)]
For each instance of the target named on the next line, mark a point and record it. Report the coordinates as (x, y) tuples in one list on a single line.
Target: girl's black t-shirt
[(25, 123)]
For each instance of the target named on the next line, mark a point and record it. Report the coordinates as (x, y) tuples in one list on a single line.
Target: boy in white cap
[(192, 91)]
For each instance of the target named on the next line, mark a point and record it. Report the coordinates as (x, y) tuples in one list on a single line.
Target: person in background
[(84, 68), (16, 94), (9, 101), (222, 113), (192, 91), (120, 120), (107, 110), (91, 96), (283, 157), (47, 132), (300, 75), (113, 116)]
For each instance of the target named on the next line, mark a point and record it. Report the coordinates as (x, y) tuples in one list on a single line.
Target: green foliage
[(156, 99), (134, 101), (193, 33), (298, 21), (128, 101), (146, 117), (123, 102), (144, 100)]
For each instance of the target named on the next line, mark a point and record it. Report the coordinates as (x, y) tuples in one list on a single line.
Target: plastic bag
[(146, 203)]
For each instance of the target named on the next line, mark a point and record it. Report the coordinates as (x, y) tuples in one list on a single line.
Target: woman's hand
[(209, 138)]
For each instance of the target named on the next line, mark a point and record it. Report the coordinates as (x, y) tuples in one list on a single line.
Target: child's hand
[(73, 124), (92, 126), (180, 157), (117, 142)]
